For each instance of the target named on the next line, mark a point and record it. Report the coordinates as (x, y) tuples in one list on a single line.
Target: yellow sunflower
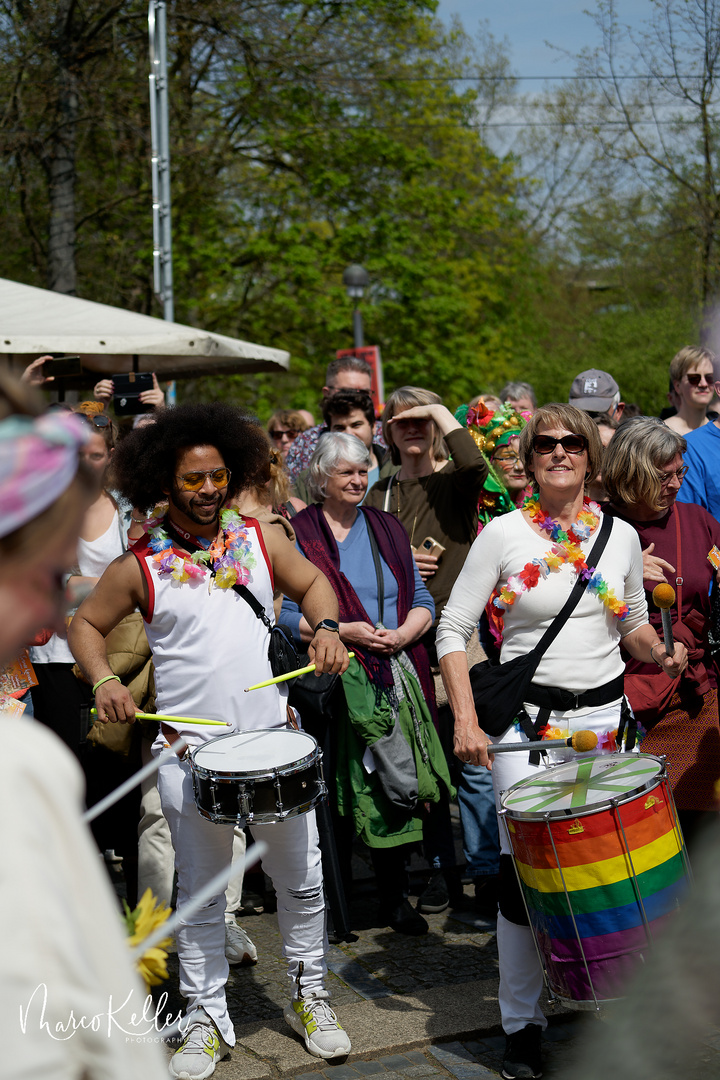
[(140, 923)]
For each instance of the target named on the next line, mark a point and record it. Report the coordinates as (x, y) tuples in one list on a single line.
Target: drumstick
[(176, 719), (133, 781), (286, 676), (664, 597), (580, 742)]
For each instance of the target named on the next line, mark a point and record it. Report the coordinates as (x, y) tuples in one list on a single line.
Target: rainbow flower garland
[(566, 548), (230, 555)]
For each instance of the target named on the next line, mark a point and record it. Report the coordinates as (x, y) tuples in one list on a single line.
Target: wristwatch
[(328, 624)]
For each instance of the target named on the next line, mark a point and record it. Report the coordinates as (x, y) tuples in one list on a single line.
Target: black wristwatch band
[(327, 624)]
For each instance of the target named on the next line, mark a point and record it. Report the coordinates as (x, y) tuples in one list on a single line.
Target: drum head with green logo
[(586, 784)]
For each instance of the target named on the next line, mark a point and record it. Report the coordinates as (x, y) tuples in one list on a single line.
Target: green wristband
[(106, 679)]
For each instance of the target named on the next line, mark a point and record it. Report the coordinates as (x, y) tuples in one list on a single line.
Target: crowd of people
[(422, 540)]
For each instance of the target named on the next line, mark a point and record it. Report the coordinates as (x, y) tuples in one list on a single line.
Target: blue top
[(356, 563), (702, 483)]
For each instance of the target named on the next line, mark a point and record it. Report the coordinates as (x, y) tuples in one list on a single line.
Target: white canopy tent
[(111, 341)]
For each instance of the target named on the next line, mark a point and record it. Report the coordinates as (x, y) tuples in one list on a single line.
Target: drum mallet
[(664, 597), (581, 742)]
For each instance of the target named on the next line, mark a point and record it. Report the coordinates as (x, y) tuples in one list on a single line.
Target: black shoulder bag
[(499, 690)]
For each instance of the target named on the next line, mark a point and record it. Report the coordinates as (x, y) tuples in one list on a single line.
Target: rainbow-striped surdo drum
[(602, 866)]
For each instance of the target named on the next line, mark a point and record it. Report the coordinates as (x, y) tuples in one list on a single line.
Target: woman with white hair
[(389, 760)]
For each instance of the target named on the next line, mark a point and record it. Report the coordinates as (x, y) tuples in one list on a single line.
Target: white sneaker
[(239, 949), (200, 1050), (313, 1018)]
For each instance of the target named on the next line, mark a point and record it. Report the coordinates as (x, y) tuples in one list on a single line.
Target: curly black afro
[(144, 462)]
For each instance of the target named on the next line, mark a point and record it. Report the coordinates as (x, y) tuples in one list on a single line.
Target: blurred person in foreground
[(643, 473), (63, 971), (532, 557), (384, 611)]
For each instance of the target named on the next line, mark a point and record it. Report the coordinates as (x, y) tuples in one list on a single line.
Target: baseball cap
[(593, 391)]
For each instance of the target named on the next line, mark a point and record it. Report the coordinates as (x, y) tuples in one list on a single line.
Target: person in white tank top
[(207, 647)]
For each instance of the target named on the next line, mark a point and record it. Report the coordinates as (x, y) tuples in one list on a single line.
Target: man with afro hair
[(208, 645)]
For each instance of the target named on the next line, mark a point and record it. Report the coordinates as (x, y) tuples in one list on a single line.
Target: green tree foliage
[(305, 136)]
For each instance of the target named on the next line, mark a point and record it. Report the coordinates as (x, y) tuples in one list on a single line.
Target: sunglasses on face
[(95, 421), (571, 444), (278, 435), (695, 378), (193, 481)]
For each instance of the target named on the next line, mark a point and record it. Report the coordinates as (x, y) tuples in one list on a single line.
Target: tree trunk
[(62, 275)]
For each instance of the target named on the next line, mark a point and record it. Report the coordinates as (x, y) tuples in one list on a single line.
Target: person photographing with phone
[(436, 500)]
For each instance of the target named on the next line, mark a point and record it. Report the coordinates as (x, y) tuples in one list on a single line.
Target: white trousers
[(156, 855), (202, 849), (521, 973)]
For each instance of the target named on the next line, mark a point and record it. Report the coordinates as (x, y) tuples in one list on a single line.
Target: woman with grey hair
[(387, 760), (643, 471)]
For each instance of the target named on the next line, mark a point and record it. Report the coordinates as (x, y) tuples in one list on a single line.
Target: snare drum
[(258, 777), (602, 865)]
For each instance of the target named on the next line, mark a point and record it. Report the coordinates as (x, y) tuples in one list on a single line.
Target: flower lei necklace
[(230, 554), (566, 548)]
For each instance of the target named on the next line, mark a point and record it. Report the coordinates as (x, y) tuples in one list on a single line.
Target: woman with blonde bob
[(533, 557), (643, 471)]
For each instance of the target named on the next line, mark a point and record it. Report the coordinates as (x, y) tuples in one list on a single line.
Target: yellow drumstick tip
[(663, 595), (582, 741)]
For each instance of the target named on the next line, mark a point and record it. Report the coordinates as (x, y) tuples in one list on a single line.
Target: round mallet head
[(582, 741), (663, 596)]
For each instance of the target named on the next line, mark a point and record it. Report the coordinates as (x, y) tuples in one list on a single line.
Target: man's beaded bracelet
[(106, 679)]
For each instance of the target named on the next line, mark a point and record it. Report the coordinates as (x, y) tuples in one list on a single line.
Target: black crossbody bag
[(499, 690)]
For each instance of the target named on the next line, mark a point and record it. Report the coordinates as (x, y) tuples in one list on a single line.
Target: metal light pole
[(356, 280), (160, 135)]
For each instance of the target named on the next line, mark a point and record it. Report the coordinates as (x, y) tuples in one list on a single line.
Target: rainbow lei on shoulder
[(566, 548), (229, 558)]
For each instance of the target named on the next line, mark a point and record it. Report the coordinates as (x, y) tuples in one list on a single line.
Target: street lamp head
[(355, 279)]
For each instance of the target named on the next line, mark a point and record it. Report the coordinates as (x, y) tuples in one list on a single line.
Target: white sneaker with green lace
[(200, 1050), (313, 1018)]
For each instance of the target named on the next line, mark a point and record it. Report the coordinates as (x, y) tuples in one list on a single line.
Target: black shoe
[(486, 896), (403, 919), (435, 897), (522, 1059)]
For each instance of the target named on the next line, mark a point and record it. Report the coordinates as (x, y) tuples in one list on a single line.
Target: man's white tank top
[(208, 646)]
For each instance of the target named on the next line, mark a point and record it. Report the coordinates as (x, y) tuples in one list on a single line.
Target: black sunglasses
[(695, 378), (96, 420), (571, 444)]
